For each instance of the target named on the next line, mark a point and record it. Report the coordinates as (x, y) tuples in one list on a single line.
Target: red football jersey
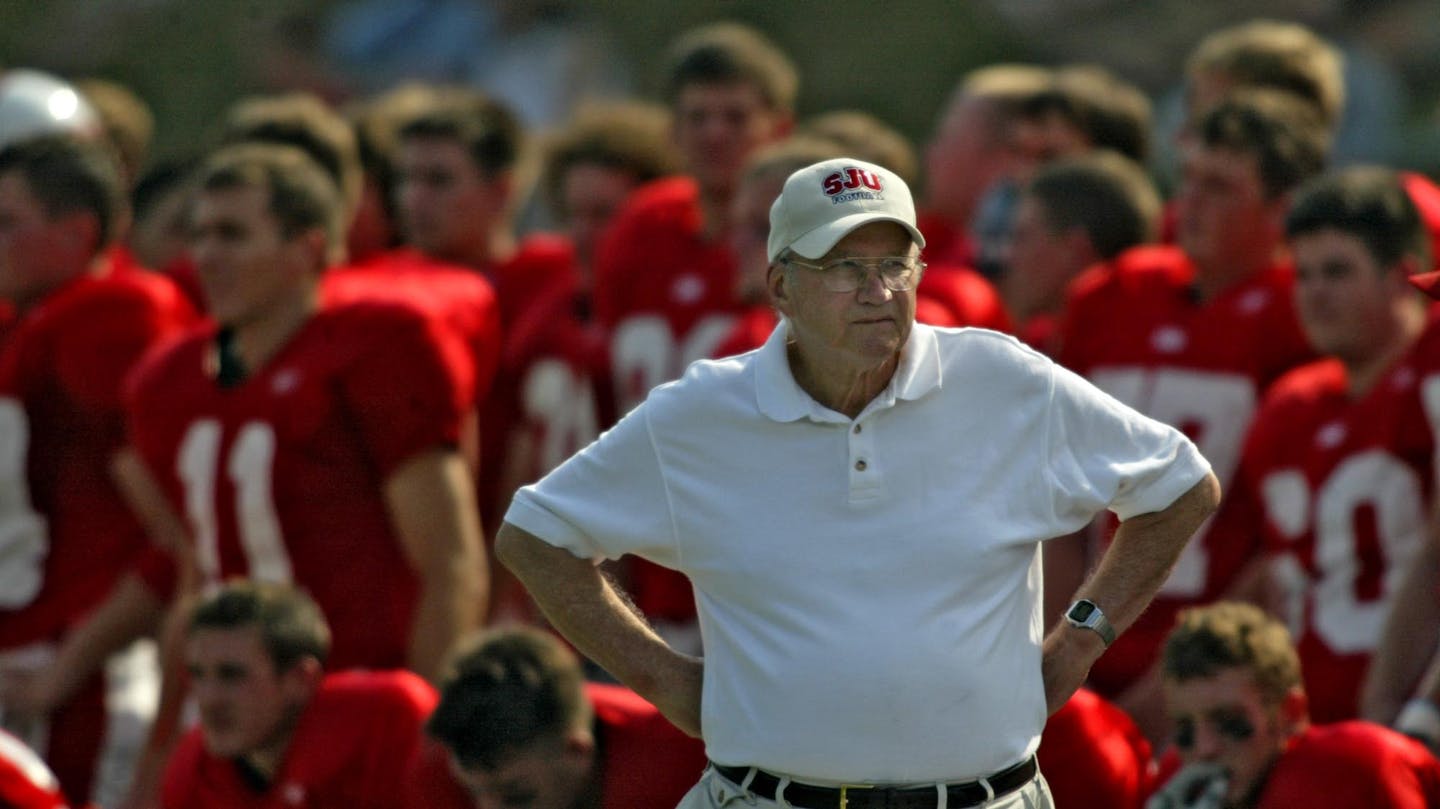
[(1345, 486), (666, 294), (945, 243), (349, 751), (645, 762), (458, 298), (556, 385), (282, 475), (1344, 766), (1353, 764), (1135, 328), (61, 421), (1092, 754), (542, 262), (67, 530), (967, 297)]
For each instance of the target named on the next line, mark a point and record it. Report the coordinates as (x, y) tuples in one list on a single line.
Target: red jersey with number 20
[(1136, 329), (1344, 482), (282, 475)]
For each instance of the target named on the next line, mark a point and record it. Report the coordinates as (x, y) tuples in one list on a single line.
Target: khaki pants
[(716, 791)]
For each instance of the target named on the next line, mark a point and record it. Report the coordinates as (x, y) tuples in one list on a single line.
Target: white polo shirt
[(868, 590)]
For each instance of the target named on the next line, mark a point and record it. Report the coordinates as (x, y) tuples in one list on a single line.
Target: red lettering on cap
[(850, 178)]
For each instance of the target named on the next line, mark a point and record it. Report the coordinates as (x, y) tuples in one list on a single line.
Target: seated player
[(516, 726), (275, 729), (1243, 733)]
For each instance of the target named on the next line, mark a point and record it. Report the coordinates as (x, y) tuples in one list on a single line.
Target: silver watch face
[(1082, 611)]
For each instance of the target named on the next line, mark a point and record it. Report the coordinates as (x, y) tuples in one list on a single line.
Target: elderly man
[(860, 505)]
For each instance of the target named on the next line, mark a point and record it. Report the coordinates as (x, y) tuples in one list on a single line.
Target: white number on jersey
[(563, 403), (645, 353), (24, 533), (1374, 481), (1214, 409), (249, 469)]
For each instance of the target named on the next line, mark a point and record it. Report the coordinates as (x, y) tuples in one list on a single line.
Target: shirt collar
[(781, 398)]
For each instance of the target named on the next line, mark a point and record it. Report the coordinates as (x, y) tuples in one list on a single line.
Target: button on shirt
[(868, 590)]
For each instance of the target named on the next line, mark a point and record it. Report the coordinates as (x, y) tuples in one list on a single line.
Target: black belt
[(863, 796)]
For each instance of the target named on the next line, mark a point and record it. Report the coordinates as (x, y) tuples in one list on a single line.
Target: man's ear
[(579, 743), (776, 282), (303, 678)]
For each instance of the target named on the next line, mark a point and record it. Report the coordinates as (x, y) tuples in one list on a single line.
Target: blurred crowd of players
[(262, 407)]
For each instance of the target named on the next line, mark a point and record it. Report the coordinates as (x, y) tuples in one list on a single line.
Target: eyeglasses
[(1233, 725), (897, 273)]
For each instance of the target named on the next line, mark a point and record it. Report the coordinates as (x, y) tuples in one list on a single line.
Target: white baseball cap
[(33, 103), (823, 202)]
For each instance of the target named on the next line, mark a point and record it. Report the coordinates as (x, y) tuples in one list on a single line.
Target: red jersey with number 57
[(1344, 482), (1136, 328), (64, 529), (349, 751), (282, 476)]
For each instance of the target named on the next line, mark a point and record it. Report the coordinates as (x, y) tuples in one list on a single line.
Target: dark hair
[(302, 195), (1108, 195), (290, 624), (731, 53), (1284, 133), (67, 175), (505, 690), (306, 123), (1367, 202), (487, 129), (1113, 113), (631, 138), (1208, 640)]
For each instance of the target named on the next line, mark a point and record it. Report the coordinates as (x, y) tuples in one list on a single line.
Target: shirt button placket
[(862, 454)]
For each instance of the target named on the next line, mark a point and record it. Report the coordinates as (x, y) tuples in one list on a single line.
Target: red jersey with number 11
[(282, 475)]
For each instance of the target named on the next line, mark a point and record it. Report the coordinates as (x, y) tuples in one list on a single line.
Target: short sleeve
[(411, 390), (606, 501), (1104, 454)]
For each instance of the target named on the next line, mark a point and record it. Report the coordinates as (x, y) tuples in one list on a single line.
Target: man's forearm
[(449, 608), (1144, 551), (1139, 558), (583, 605)]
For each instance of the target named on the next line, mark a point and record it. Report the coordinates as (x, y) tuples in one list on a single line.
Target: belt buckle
[(845, 793)]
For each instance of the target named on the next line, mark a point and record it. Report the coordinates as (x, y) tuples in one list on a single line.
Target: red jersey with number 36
[(282, 475), (1344, 482), (66, 531), (1136, 329)]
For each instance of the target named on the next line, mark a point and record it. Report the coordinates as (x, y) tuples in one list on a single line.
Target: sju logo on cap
[(849, 179)]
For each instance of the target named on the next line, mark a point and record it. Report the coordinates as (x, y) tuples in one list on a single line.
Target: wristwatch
[(1086, 615)]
